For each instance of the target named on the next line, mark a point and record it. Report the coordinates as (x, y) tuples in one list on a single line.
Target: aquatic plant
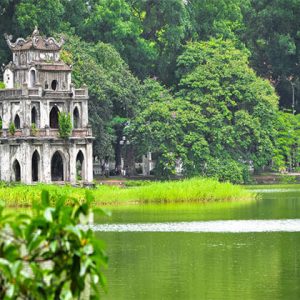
[(189, 190)]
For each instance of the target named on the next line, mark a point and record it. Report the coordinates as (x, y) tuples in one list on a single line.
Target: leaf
[(36, 241), (66, 295), (54, 246), (48, 214), (84, 266), (10, 291), (4, 262), (88, 249), (45, 198), (16, 268), (102, 211), (75, 230), (89, 197)]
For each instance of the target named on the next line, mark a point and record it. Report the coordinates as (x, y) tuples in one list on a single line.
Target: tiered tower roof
[(34, 42)]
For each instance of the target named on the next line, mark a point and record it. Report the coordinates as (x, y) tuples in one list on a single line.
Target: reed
[(189, 190)]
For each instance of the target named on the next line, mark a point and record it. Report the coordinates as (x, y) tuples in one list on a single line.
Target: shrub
[(34, 129), (65, 125), (46, 255), (227, 170), (12, 129), (287, 179)]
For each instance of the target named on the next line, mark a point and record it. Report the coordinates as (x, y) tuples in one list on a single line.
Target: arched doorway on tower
[(35, 166), (54, 117), (76, 118), (32, 80), (80, 166), (57, 167), (17, 122), (17, 170), (35, 116)]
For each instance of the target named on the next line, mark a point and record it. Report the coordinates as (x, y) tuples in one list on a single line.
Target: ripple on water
[(232, 226), (274, 190)]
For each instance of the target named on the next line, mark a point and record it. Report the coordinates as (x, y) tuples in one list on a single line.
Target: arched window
[(32, 79), (79, 166), (17, 121), (54, 85), (57, 167), (17, 170), (54, 117), (35, 162), (76, 118), (34, 116)]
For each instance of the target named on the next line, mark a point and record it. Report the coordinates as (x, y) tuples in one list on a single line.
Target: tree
[(113, 90), (170, 127), (272, 36), (221, 119), (165, 24), (287, 152), (46, 15), (217, 18), (113, 21), (154, 127), (7, 10), (148, 34), (240, 107)]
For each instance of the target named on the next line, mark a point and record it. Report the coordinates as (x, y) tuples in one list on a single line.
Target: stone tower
[(39, 87)]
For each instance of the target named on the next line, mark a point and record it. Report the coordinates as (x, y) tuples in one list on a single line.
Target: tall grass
[(190, 190)]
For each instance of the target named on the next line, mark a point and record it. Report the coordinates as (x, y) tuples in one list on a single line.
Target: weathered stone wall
[(23, 153)]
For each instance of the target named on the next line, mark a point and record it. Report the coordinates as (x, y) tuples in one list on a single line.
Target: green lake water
[(147, 264)]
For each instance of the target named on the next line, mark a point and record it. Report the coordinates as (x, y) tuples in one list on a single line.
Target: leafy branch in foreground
[(47, 256)]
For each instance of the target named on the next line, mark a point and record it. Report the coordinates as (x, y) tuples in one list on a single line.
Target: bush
[(46, 255), (34, 129), (287, 179), (227, 170), (65, 125), (12, 129)]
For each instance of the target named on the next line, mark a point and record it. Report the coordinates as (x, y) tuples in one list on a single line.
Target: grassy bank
[(191, 190)]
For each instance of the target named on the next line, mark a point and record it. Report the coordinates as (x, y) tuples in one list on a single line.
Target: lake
[(242, 250)]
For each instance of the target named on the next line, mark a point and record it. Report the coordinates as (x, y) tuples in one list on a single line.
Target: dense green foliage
[(217, 114), (46, 255), (195, 189), (113, 90), (64, 125), (272, 35), (12, 128), (222, 117), (287, 151)]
